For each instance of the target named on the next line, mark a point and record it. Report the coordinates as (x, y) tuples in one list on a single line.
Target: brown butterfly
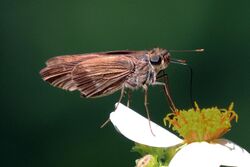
[(103, 73)]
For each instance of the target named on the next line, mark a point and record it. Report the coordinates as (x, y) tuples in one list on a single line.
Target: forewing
[(103, 75), (82, 57), (71, 58), (93, 74)]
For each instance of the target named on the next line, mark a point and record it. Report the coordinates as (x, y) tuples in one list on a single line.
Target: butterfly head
[(159, 58)]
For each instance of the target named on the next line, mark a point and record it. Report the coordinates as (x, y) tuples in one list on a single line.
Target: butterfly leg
[(145, 87), (121, 96), (167, 93), (120, 99), (129, 97)]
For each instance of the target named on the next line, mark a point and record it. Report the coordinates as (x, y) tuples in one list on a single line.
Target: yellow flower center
[(196, 124)]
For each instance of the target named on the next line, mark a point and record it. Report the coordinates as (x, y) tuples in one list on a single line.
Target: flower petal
[(233, 155), (211, 155), (135, 127)]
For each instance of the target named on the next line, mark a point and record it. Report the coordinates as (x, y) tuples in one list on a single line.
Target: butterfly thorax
[(146, 68)]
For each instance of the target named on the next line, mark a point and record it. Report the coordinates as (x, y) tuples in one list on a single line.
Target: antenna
[(193, 50)]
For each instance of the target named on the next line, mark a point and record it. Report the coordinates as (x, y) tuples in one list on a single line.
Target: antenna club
[(182, 61), (199, 50)]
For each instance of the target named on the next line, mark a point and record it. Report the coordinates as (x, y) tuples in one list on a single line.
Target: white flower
[(213, 154)]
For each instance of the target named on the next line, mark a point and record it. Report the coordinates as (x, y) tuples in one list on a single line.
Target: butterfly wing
[(103, 75), (94, 74)]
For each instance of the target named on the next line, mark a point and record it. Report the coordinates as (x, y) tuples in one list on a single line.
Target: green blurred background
[(45, 126)]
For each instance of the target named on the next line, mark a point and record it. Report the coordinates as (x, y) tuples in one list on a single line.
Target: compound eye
[(155, 60)]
